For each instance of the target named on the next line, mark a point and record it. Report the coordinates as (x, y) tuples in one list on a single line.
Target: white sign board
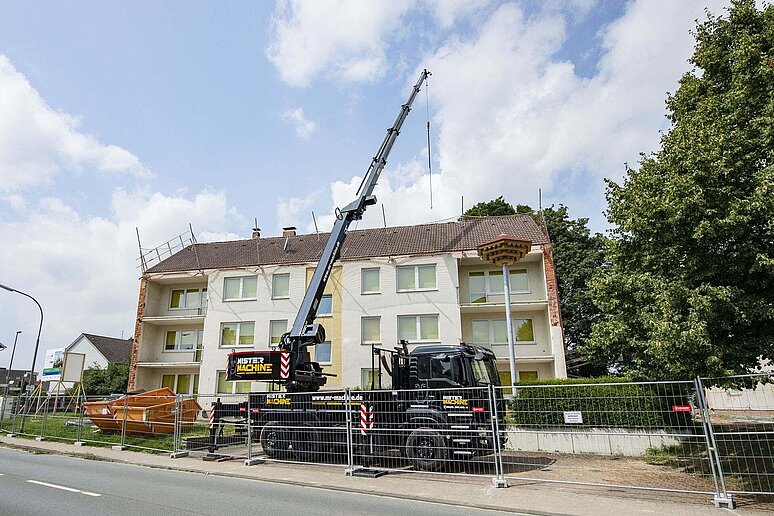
[(573, 417), (72, 369), (52, 365)]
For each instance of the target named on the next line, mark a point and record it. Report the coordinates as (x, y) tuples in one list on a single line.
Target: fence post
[(42, 435), (499, 480), (14, 412), (348, 412), (250, 461), (79, 430), (177, 432), (123, 424), (722, 498)]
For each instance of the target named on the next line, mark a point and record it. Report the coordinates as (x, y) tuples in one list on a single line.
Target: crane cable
[(429, 154)]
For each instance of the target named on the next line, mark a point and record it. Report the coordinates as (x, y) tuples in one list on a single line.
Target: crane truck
[(420, 415)]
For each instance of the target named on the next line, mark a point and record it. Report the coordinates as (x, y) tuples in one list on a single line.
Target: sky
[(148, 116)]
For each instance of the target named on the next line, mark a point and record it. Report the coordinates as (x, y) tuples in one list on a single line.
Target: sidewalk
[(525, 497)]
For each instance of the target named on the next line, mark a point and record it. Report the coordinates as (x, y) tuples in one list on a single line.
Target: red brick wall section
[(137, 332), (551, 286)]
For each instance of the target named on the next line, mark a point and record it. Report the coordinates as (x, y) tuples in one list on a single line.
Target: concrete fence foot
[(117, 447), (178, 455), (724, 502), (79, 443), (499, 482), (253, 461)]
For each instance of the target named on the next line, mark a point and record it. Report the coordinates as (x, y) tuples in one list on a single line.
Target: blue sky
[(156, 114)]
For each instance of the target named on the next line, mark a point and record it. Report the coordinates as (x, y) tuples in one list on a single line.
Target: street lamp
[(505, 251), (40, 329)]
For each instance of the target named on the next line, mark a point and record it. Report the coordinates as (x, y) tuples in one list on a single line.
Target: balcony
[(516, 306), (174, 317)]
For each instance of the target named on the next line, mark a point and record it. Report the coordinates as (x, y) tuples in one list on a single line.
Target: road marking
[(63, 488)]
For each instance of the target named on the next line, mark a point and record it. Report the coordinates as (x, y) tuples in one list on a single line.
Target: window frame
[(233, 384), (363, 341), (316, 349), (193, 382), (241, 289), (416, 278), (327, 314), (491, 324), (178, 341), (237, 337), (274, 284), (489, 293), (378, 290), (418, 318), (202, 296), (271, 335)]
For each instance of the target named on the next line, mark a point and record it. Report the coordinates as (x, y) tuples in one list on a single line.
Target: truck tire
[(427, 450), (306, 443), (275, 440)]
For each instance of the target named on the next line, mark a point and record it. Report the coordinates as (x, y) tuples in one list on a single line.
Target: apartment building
[(423, 283)]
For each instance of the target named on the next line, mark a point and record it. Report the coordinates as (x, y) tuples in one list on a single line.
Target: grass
[(53, 427)]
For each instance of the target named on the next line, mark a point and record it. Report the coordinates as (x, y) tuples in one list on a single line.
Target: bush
[(603, 402)]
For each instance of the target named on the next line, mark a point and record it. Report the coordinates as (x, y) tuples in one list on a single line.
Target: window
[(416, 277), (527, 375), (325, 308), (181, 383), (369, 379), (418, 327), (280, 286), (182, 340), (225, 387), (276, 330), (488, 331), (440, 368), (237, 334), (240, 288), (369, 281), (188, 298), (322, 352), (370, 330), (487, 286)]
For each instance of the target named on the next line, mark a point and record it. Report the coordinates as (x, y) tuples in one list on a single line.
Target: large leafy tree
[(111, 380), (690, 283), (577, 255)]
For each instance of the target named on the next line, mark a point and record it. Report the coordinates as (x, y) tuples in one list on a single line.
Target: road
[(38, 484)]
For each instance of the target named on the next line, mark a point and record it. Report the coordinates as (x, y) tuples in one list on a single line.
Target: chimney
[(256, 230), (289, 231)]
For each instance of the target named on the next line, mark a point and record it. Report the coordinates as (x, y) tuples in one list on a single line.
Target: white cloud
[(448, 12), (511, 117), (37, 142), (346, 38), (296, 119), (83, 270)]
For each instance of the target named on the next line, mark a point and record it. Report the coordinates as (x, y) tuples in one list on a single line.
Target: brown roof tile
[(422, 239)]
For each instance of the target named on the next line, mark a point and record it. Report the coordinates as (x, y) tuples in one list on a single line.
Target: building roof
[(115, 351), (423, 239)]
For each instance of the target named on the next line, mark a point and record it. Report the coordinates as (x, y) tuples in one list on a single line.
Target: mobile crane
[(428, 433)]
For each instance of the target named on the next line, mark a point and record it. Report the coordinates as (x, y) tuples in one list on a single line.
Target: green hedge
[(607, 402)]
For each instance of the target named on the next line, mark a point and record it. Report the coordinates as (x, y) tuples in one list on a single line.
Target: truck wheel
[(306, 443), (426, 449), (275, 440)]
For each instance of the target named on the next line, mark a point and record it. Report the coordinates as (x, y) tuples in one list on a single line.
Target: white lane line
[(63, 488)]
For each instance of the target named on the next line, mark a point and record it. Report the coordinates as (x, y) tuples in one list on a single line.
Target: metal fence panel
[(741, 416), (642, 435)]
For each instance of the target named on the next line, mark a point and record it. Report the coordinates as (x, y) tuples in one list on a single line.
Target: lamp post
[(506, 251), (37, 341), (8, 374)]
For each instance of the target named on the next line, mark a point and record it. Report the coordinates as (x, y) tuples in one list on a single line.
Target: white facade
[(94, 358), (188, 321)]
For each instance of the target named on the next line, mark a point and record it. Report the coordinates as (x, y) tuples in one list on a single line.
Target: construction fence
[(712, 436)]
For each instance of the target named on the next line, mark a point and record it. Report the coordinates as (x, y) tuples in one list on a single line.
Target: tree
[(577, 255), (113, 379), (496, 207), (690, 284)]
